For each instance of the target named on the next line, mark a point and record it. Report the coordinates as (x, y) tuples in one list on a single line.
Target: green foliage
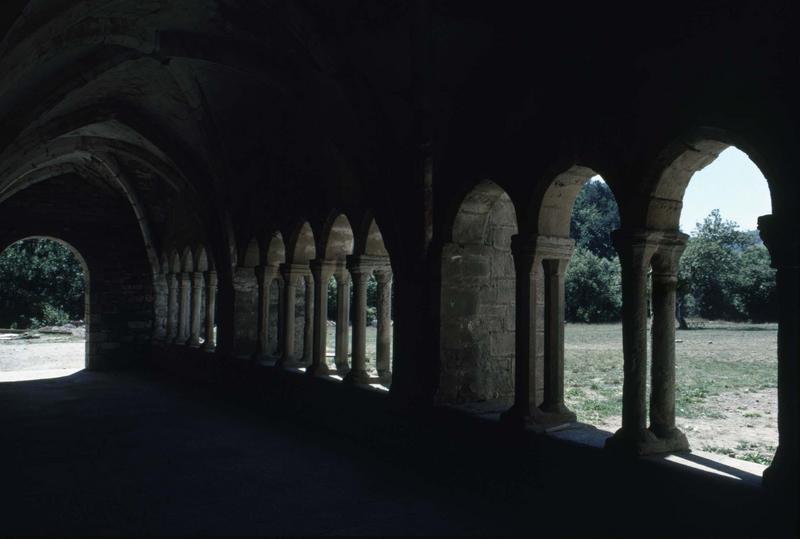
[(372, 298), (594, 215), (726, 273), (593, 288), (41, 283)]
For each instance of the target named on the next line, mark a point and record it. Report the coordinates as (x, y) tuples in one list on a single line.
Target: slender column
[(311, 320), (265, 276), (635, 251), (524, 411), (172, 307), (342, 319), (360, 273), (662, 385), (211, 302), (782, 238), (184, 298), (321, 271), (162, 316), (196, 314), (553, 404), (289, 289), (383, 352)]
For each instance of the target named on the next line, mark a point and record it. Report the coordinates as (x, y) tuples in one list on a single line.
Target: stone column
[(211, 302), (265, 276), (321, 270), (553, 404), (529, 255), (172, 307), (311, 320), (383, 353), (782, 238), (662, 385), (289, 290), (360, 273), (161, 308), (184, 304), (342, 319), (635, 249), (525, 410), (196, 314)]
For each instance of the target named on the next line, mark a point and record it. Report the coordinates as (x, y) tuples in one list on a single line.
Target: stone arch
[(251, 255), (675, 166), (187, 260), (202, 260), (373, 240), (338, 239), (174, 262), (555, 209), (302, 245), (477, 300), (276, 250)]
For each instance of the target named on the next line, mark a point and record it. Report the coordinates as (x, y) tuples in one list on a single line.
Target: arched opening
[(581, 207), (477, 303), (379, 309), (299, 299), (338, 247), (276, 256), (726, 398), (44, 310)]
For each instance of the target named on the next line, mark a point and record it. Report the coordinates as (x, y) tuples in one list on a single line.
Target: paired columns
[(172, 306), (539, 308), (782, 239), (342, 318), (321, 271), (383, 352), (292, 273), (361, 267), (196, 313), (637, 251), (211, 304), (265, 275), (184, 292)]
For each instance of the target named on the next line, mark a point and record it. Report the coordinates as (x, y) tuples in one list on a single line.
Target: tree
[(41, 283), (593, 288), (725, 274), (594, 215)]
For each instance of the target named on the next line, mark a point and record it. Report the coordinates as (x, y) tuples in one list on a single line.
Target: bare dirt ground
[(46, 357)]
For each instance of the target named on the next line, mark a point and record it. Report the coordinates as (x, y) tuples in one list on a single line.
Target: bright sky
[(732, 183)]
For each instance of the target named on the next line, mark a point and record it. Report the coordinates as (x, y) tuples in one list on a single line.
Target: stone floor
[(130, 454)]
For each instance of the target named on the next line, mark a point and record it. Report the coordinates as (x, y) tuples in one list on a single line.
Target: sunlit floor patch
[(21, 376)]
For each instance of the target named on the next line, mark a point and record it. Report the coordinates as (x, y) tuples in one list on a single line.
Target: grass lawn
[(371, 338), (726, 384)]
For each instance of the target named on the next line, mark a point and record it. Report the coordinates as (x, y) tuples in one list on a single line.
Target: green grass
[(719, 358)]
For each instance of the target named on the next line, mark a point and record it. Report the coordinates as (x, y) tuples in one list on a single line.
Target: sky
[(731, 183)]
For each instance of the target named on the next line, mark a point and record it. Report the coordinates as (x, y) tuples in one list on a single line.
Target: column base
[(357, 377), (385, 377), (559, 413), (194, 344), (535, 419), (781, 476), (318, 370), (207, 347), (644, 442)]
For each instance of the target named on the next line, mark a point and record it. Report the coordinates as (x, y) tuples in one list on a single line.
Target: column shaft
[(311, 320), (554, 340), (358, 372), (383, 353), (172, 307), (196, 313), (211, 303), (662, 386), (321, 271), (289, 290), (183, 309), (342, 321)]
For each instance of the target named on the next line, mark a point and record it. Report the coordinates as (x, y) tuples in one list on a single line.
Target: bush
[(593, 288)]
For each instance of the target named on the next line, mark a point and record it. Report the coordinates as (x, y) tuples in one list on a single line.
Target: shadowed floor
[(123, 454)]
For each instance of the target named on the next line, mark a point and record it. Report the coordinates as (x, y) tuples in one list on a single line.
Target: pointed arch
[(302, 245)]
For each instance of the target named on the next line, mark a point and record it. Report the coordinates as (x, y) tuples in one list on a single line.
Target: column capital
[(197, 278), (292, 271), (211, 278), (782, 239), (266, 273), (383, 275), (636, 246), (542, 247), (367, 264), (323, 268), (185, 277)]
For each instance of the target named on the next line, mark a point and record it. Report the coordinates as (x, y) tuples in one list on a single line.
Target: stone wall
[(478, 288)]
